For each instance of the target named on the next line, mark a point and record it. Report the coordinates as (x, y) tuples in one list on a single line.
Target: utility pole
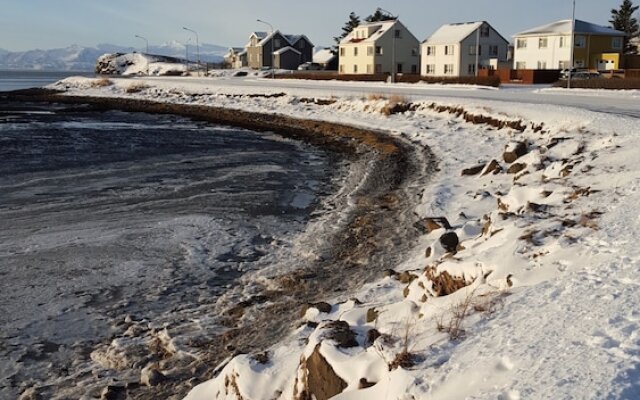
[(197, 46), (478, 50), (273, 63), (393, 44), (147, 53), (572, 45)]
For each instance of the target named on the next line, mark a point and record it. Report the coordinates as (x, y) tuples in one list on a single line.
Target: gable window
[(521, 44), (484, 31), (448, 50), (580, 42), (300, 44), (448, 69), (493, 50), (431, 69), (276, 42), (616, 43), (542, 43), (396, 33), (369, 50), (431, 50), (378, 50)]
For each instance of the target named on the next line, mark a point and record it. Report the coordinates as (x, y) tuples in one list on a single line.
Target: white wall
[(553, 54)]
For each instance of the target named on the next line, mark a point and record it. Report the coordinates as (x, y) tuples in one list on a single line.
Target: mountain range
[(79, 58)]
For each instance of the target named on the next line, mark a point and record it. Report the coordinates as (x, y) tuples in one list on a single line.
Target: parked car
[(579, 74), (309, 66)]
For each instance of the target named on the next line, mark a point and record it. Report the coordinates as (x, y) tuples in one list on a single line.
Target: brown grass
[(443, 283), (136, 87), (102, 82), (376, 96)]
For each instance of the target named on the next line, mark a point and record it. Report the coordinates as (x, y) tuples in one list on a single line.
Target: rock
[(428, 252), (151, 377), (516, 167), (430, 224), (322, 382), (372, 315), (449, 241), (389, 273), (513, 151), (492, 168), (113, 392), (372, 335), (406, 277), (341, 333), (321, 306), (30, 394), (364, 383), (472, 170)]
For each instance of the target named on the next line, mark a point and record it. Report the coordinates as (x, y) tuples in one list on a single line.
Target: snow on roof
[(453, 33), (264, 37), (323, 56), (285, 49), (564, 27), (377, 30)]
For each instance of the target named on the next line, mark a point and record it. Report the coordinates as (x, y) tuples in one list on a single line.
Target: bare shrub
[(102, 82)]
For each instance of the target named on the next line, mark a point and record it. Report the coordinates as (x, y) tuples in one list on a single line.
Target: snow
[(564, 27), (453, 33), (377, 29), (548, 253), (323, 56)]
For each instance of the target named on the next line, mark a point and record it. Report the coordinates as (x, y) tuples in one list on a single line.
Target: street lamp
[(197, 46), (147, 53), (572, 44), (273, 63), (393, 45)]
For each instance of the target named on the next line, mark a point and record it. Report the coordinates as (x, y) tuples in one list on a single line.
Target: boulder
[(114, 392), (492, 168), (341, 333), (472, 170), (322, 382), (321, 306), (151, 377), (450, 241), (513, 151), (516, 167), (430, 224)]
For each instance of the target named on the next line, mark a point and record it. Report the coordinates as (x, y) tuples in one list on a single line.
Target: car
[(580, 75), (309, 66)]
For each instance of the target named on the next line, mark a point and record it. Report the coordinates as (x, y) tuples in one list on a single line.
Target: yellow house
[(548, 47)]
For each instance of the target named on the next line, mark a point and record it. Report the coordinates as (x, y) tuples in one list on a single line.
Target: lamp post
[(147, 52), (393, 45), (197, 47), (273, 66), (186, 55), (572, 45)]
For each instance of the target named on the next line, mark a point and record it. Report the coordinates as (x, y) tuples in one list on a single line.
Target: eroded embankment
[(369, 239)]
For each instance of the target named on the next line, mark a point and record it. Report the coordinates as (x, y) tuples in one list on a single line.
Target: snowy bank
[(523, 283)]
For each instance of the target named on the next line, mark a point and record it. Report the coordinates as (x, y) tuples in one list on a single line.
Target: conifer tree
[(351, 24), (379, 15), (623, 20)]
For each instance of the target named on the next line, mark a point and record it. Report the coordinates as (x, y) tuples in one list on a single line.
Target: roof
[(564, 27), (285, 49), (323, 56), (453, 33), (379, 29), (264, 37)]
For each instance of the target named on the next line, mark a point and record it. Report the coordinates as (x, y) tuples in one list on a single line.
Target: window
[(472, 50), (521, 65), (378, 50), (493, 51), (564, 41), (276, 42), (431, 69), (448, 50), (448, 68), (370, 50), (342, 51), (580, 42), (472, 69), (484, 31), (563, 65), (521, 44), (396, 33), (355, 51), (355, 69), (542, 43), (414, 52), (414, 69), (431, 50), (616, 43), (542, 65), (341, 69), (369, 68), (399, 69), (579, 64)]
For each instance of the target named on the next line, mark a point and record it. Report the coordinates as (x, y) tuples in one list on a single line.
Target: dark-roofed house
[(236, 57), (286, 51), (462, 49), (549, 46)]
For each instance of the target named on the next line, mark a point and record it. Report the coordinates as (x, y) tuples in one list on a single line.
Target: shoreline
[(378, 202)]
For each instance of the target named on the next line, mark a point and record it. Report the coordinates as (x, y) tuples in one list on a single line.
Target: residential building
[(462, 49), (379, 48), (327, 59), (549, 46), (236, 57), (286, 51)]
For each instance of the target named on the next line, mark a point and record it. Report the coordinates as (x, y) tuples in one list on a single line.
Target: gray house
[(286, 51)]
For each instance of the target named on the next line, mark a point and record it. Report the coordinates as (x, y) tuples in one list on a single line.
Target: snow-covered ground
[(539, 297)]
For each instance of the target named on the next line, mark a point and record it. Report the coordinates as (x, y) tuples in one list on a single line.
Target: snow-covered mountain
[(78, 58)]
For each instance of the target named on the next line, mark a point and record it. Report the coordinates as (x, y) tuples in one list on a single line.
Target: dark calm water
[(108, 214), (14, 80)]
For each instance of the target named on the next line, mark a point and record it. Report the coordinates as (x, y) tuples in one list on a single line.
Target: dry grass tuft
[(376, 96), (102, 82), (136, 87), (443, 283)]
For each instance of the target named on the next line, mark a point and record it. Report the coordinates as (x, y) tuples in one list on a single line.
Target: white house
[(549, 46), (378, 48), (461, 49)]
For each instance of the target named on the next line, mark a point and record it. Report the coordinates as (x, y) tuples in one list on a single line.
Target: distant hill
[(78, 58)]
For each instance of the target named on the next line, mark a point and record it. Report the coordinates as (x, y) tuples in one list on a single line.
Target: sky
[(47, 24)]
